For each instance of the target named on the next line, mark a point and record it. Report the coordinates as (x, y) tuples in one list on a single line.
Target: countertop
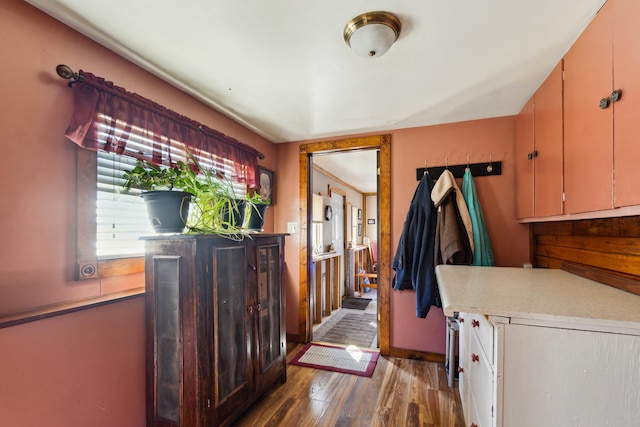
[(537, 294)]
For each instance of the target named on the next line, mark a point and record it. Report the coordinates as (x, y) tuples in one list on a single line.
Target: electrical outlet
[(292, 227)]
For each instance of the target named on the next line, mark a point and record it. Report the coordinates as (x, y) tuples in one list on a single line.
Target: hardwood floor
[(402, 392)]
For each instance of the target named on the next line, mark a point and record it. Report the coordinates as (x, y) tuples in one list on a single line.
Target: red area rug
[(330, 357)]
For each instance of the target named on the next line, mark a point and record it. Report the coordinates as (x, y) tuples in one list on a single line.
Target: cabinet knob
[(252, 267), (250, 310), (533, 154), (475, 357), (604, 103), (615, 95), (461, 320), (473, 425), (475, 323), (258, 307), (460, 369)]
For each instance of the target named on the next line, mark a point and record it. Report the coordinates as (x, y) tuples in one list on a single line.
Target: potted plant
[(256, 208), (209, 194), (167, 205)]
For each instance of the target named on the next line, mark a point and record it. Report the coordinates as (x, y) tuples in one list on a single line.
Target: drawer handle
[(475, 323), (460, 369), (475, 357)]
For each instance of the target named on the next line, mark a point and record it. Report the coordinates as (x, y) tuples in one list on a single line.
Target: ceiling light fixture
[(371, 34)]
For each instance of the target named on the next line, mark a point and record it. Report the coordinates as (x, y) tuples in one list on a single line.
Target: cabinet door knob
[(258, 307), (475, 357), (460, 369), (475, 323), (250, 310), (615, 95), (473, 425), (462, 320), (604, 103)]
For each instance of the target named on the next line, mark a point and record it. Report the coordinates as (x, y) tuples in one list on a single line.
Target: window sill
[(67, 307)]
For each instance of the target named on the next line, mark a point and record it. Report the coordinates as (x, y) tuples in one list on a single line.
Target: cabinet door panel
[(588, 138), (524, 165), (231, 329), (271, 340), (562, 377), (626, 63), (548, 144)]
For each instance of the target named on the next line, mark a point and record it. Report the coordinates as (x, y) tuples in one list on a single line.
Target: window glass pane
[(121, 217)]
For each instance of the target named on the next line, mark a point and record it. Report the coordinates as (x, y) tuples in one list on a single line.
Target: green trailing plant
[(214, 200), (149, 177)]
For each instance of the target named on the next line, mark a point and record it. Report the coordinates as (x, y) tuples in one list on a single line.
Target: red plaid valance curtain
[(108, 118)]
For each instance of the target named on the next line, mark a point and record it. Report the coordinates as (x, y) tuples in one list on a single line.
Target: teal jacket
[(482, 254)]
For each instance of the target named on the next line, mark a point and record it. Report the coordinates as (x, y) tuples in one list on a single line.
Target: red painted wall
[(409, 150), (86, 368)]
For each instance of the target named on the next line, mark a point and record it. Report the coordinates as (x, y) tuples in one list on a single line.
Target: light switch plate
[(292, 227)]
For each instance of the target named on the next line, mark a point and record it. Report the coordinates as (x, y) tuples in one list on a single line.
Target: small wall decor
[(267, 186), (359, 213), (371, 221)]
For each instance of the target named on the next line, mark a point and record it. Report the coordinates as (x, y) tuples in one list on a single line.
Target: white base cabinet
[(524, 373)]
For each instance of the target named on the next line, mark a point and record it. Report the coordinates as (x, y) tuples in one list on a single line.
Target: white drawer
[(483, 330), (480, 376)]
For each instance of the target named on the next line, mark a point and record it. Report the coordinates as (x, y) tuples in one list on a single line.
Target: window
[(108, 118), (118, 219)]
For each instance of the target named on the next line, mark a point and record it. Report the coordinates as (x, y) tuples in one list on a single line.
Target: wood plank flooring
[(402, 392)]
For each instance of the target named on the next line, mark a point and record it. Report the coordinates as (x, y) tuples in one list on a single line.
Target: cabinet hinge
[(209, 404), (562, 75), (491, 411), (563, 197)]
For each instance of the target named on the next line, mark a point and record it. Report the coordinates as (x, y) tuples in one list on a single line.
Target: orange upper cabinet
[(538, 151), (524, 167), (547, 157), (588, 129), (626, 121)]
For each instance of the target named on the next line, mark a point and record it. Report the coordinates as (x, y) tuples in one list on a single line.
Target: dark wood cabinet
[(216, 335)]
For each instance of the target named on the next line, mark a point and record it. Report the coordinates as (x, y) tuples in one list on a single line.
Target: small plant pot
[(256, 217), (167, 210), (238, 217)]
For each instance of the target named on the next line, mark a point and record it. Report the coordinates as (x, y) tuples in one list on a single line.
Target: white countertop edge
[(545, 320), (538, 296)]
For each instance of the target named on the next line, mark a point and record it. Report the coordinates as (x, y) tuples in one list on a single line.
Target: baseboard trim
[(294, 338), (417, 355)]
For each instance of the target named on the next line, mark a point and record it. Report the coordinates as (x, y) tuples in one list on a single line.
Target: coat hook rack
[(490, 168)]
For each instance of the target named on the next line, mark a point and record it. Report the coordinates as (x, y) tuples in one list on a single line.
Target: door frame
[(383, 144)]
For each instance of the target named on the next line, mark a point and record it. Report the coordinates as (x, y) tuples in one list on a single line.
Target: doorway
[(382, 144)]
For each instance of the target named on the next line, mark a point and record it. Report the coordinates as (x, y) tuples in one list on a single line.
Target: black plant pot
[(256, 217), (237, 219), (168, 210)]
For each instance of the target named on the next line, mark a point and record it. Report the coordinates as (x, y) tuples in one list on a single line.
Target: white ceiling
[(357, 168), (282, 68)]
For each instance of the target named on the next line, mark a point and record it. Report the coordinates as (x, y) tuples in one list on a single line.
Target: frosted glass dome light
[(372, 34)]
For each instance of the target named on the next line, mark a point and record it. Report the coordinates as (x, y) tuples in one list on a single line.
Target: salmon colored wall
[(509, 240), (409, 149), (38, 233), (81, 369)]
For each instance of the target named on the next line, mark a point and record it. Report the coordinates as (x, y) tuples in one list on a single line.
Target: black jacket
[(414, 262)]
